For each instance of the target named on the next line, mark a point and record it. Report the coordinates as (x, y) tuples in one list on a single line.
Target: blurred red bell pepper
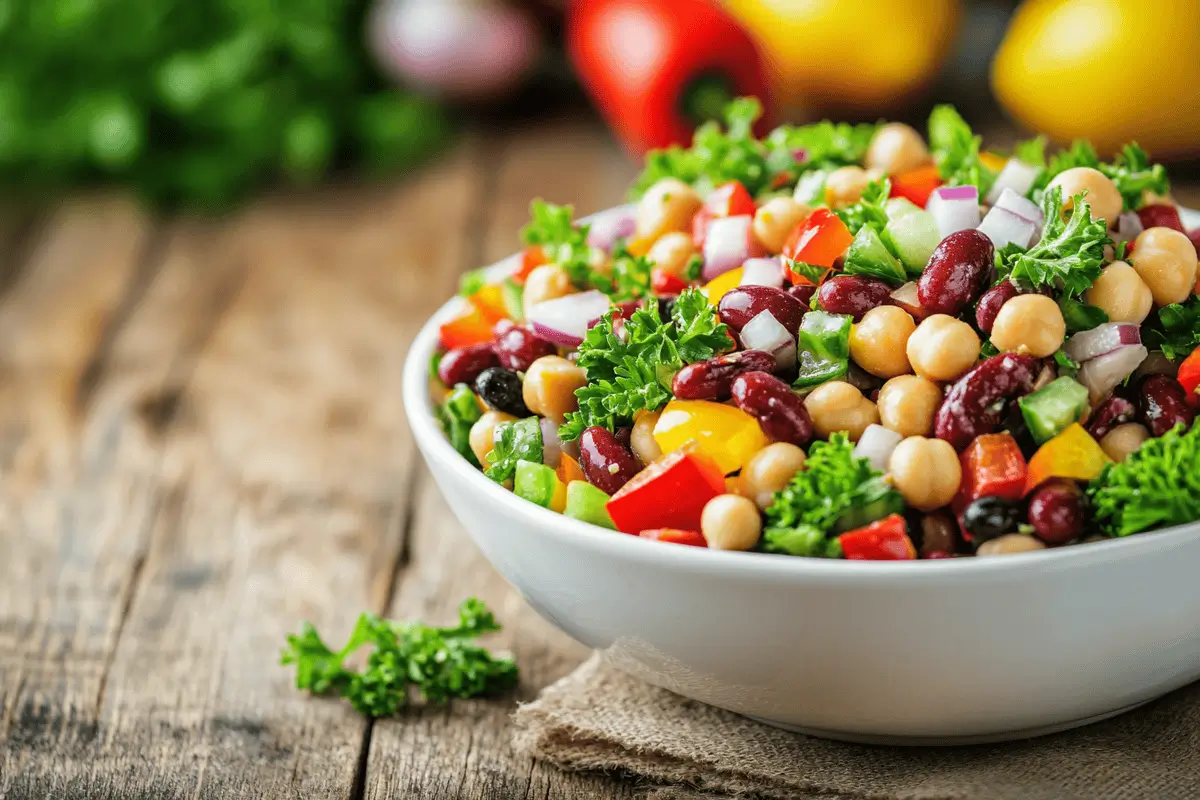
[(1189, 377), (659, 68), (917, 184)]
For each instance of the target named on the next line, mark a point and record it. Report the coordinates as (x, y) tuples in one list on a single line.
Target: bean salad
[(845, 341)]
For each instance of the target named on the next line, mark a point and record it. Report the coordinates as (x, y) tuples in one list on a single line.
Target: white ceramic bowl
[(924, 652)]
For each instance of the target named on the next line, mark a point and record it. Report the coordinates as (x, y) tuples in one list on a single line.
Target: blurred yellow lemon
[(860, 54), (1107, 70)]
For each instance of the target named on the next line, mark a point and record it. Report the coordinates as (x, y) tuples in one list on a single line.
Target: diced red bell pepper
[(664, 283), (916, 184), (1189, 377), (669, 493), (730, 199), (469, 327), (882, 540), (992, 466), (531, 259), (675, 536), (1160, 215), (820, 240)]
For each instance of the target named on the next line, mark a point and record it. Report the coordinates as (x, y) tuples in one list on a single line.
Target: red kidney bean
[(1160, 215), (780, 411), (502, 327), (969, 408), (853, 295), (1057, 512), (1164, 404), (463, 364), (956, 272), (607, 464), (803, 292), (991, 302), (713, 379), (1112, 412), (744, 303), (1194, 235), (624, 435), (939, 535), (517, 348)]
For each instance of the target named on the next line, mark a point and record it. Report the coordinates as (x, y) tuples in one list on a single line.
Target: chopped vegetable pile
[(848, 342)]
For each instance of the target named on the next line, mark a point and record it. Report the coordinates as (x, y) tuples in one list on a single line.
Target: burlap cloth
[(598, 718)]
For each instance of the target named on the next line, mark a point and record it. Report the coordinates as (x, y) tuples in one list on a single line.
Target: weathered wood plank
[(279, 496), (466, 752)]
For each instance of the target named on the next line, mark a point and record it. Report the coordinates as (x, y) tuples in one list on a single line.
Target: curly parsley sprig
[(631, 370), (1069, 255), (956, 150), (439, 663), (1156, 486)]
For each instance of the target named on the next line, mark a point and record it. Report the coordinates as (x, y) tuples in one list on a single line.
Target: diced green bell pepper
[(823, 347), (587, 504)]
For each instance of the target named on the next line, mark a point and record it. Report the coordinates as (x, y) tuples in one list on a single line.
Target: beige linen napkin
[(598, 718)]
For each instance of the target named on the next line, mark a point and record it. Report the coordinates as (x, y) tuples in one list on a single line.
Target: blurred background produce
[(202, 103)]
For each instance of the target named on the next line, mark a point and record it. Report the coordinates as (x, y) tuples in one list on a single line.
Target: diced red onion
[(1101, 340), (609, 226), (1129, 226), (765, 332), (1103, 374), (762, 272), (726, 245), (1021, 206), (906, 298), (551, 444), (955, 208), (876, 445), (564, 320), (1003, 226), (1016, 176)]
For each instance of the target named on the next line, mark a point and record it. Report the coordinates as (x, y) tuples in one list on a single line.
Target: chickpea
[(1029, 323), (730, 522), (483, 433), (897, 148), (549, 388), (547, 282), (838, 406), (641, 438), (942, 348), (1102, 194), (1008, 544), (668, 205), (844, 186), (926, 472), (1121, 293), (1166, 260), (908, 403), (776, 219), (672, 252), (877, 344), (1122, 440), (768, 471)]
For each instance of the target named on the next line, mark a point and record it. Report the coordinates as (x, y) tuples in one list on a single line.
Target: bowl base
[(949, 741)]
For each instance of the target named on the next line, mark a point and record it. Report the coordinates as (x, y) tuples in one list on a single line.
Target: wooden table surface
[(202, 444)]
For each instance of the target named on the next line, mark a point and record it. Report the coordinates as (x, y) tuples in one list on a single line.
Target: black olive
[(501, 389), (989, 517)]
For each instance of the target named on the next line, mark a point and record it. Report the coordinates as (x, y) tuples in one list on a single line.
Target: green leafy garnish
[(694, 268), (987, 350), (1176, 330), (1080, 316), (1133, 174), (456, 415), (562, 241), (1031, 151), (955, 149), (1079, 154), (1066, 365), (440, 663), (514, 441), (472, 281), (833, 485), (1069, 255), (634, 373), (824, 146), (630, 277), (810, 272), (1155, 486), (869, 210)]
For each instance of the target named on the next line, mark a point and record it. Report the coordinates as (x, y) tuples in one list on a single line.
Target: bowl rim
[(434, 445)]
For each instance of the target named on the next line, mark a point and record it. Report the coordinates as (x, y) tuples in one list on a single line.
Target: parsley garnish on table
[(955, 149), (1069, 255), (834, 490), (632, 372), (439, 663), (1156, 486)]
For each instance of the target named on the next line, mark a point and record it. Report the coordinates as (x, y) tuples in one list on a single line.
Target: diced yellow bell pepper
[(1071, 454), (721, 285), (993, 161), (726, 434)]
